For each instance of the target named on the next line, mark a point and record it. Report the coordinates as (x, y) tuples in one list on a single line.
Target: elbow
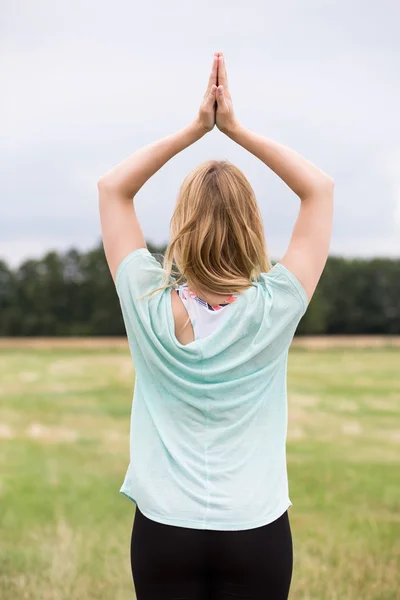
[(325, 185), (108, 187), (322, 187), (330, 184), (106, 190), (104, 184)]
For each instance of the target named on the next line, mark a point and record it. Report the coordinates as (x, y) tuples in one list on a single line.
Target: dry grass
[(64, 442)]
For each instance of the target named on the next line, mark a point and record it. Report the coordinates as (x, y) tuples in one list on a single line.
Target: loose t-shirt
[(209, 418)]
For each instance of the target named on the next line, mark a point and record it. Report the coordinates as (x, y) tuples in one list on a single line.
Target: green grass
[(64, 432)]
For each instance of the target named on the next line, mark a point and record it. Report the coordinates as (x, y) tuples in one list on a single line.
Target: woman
[(207, 465)]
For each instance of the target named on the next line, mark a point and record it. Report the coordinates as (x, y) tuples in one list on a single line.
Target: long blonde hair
[(216, 232)]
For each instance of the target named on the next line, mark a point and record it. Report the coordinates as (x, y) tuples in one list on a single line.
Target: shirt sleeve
[(286, 303), (282, 279), (144, 315), (137, 274)]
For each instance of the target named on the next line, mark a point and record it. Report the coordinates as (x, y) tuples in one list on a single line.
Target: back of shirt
[(209, 419)]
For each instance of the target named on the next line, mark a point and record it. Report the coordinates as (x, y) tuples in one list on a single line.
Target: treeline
[(72, 294)]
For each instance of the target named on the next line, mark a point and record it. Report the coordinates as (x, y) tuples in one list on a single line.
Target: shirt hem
[(213, 525)]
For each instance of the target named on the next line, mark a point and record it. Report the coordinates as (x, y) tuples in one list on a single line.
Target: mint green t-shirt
[(209, 419)]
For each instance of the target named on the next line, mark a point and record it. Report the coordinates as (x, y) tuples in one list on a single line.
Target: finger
[(212, 80), (220, 97), (217, 55), (222, 75), (210, 99)]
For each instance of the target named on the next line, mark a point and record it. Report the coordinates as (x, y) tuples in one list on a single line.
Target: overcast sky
[(86, 83)]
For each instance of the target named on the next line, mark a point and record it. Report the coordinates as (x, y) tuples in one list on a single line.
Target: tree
[(72, 293)]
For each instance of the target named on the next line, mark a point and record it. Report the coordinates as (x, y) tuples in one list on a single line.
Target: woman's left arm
[(121, 229)]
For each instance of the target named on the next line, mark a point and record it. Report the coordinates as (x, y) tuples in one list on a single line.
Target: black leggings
[(178, 563)]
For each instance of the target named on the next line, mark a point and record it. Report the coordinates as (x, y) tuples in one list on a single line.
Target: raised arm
[(121, 229), (309, 245)]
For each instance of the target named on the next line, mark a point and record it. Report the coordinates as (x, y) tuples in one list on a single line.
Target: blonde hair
[(216, 232)]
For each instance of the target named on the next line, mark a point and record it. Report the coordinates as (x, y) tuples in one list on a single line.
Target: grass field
[(64, 426)]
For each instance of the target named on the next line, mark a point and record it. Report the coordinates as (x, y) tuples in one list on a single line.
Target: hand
[(225, 117), (206, 117)]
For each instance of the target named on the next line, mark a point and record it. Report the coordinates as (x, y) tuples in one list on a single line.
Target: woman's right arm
[(309, 245)]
